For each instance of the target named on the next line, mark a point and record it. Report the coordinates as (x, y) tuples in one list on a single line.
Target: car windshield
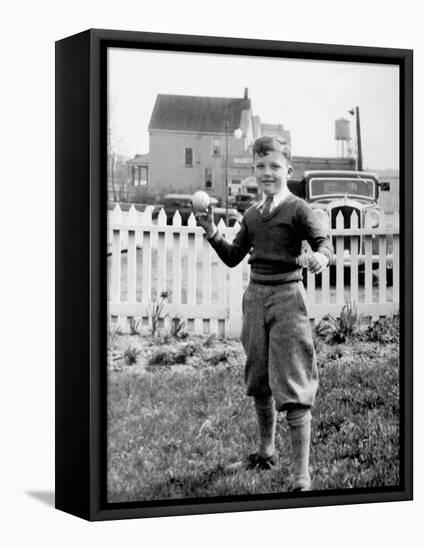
[(342, 186)]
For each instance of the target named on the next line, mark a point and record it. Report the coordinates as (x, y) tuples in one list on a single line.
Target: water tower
[(343, 137)]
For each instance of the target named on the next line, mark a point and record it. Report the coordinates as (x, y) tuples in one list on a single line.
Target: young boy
[(280, 371)]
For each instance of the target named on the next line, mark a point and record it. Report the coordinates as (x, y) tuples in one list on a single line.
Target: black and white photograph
[(253, 276), (211, 229)]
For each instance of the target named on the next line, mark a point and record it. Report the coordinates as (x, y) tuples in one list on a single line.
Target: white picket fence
[(146, 259)]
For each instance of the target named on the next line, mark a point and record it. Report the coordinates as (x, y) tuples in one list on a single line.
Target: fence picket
[(340, 260), (355, 243), (221, 270), (161, 253), (368, 274), (132, 256), (116, 261), (146, 267), (395, 269), (206, 272), (382, 269), (132, 268), (176, 268), (192, 270), (198, 241), (326, 286), (116, 256)]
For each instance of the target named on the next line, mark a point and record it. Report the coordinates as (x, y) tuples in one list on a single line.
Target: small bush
[(177, 328), (113, 338), (134, 325), (130, 355), (211, 340), (220, 357), (384, 331), (155, 311), (172, 357), (337, 331)]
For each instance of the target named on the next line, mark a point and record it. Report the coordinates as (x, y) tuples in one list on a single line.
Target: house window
[(139, 175), (216, 147), (143, 175), (208, 178), (236, 182), (188, 156)]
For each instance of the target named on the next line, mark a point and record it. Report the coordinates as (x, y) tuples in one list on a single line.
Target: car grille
[(346, 212)]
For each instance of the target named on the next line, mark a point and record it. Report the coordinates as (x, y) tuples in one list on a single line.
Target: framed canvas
[(162, 330)]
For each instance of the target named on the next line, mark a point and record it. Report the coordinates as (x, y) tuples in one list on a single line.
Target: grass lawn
[(179, 413)]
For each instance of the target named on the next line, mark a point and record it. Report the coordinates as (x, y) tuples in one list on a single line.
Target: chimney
[(245, 93)]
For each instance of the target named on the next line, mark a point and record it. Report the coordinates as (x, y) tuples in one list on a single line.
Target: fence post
[(340, 260)]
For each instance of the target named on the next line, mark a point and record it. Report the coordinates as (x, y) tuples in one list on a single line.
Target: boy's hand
[(316, 262), (205, 220)]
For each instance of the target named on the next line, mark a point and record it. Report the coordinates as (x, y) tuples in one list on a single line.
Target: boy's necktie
[(265, 211)]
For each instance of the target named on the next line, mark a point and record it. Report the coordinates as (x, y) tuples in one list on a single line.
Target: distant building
[(137, 188), (192, 144), (188, 146)]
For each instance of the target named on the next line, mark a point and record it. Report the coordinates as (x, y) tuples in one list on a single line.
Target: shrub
[(172, 357), (339, 330), (133, 326), (384, 331), (177, 327), (211, 340), (130, 355), (156, 312), (114, 334)]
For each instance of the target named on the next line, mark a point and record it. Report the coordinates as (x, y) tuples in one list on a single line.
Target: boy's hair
[(268, 144)]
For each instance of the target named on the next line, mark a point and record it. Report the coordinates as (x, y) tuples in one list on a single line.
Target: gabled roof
[(140, 159), (197, 114)]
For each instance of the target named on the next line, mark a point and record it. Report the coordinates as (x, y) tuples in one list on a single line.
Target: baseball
[(200, 201)]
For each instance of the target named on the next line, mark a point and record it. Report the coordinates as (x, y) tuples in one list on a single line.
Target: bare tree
[(112, 146)]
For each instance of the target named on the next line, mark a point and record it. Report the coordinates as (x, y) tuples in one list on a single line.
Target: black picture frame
[(81, 285)]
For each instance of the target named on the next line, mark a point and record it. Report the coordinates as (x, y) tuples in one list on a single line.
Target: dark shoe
[(298, 486), (254, 462)]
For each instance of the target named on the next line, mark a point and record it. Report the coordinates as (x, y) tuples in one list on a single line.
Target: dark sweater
[(274, 241)]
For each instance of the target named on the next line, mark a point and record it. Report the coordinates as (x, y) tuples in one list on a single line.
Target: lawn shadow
[(199, 485), (188, 485), (46, 497)]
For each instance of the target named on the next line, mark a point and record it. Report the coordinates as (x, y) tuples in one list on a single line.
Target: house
[(193, 143)]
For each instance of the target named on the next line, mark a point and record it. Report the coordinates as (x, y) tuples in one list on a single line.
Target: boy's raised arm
[(230, 253)]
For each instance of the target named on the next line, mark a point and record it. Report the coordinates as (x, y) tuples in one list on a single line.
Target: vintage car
[(243, 201), (182, 203), (331, 191)]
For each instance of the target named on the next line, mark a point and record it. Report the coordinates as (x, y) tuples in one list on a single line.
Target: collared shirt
[(278, 198)]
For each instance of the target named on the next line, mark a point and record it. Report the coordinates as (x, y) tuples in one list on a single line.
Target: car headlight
[(372, 219), (323, 218)]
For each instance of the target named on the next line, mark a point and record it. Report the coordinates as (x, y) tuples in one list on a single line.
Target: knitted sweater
[(274, 241)]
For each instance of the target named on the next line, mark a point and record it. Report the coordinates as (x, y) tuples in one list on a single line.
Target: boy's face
[(272, 172)]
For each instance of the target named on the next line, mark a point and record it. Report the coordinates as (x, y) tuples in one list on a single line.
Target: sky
[(305, 96)]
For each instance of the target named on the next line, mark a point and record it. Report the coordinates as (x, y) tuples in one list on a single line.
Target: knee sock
[(266, 418), (299, 422)]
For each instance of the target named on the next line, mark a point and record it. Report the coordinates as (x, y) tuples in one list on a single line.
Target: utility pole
[(359, 159), (359, 151), (226, 173)]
